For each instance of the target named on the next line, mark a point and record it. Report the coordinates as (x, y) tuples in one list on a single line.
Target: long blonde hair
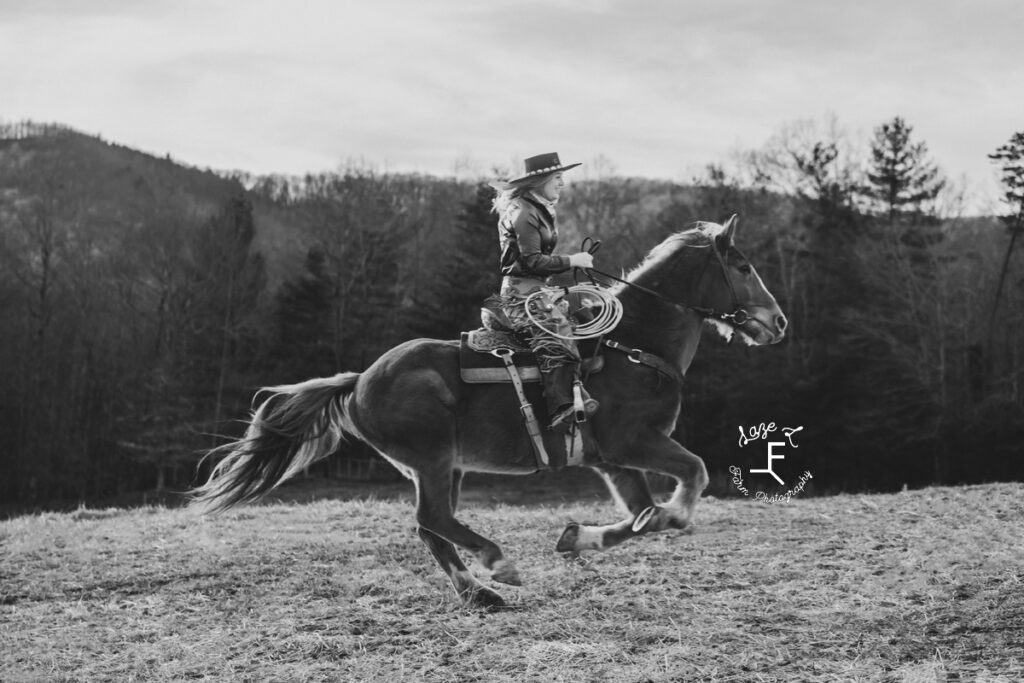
[(505, 198)]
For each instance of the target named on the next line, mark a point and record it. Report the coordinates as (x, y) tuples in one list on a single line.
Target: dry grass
[(917, 586)]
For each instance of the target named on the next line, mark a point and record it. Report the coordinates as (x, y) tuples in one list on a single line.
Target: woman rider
[(528, 234)]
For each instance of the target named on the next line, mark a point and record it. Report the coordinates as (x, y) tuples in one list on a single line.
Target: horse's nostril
[(780, 322)]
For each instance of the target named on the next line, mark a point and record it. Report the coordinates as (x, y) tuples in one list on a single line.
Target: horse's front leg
[(663, 455), (632, 496), (628, 486)]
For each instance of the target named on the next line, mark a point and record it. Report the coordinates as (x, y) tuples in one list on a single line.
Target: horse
[(411, 406)]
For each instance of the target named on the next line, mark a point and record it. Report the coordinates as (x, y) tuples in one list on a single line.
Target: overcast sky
[(659, 87)]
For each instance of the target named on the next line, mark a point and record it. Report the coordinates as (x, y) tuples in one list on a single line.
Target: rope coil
[(607, 306)]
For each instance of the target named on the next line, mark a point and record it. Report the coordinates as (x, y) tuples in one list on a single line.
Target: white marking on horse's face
[(747, 339), (761, 284), (728, 332), (725, 331)]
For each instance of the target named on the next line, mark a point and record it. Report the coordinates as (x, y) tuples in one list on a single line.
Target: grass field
[(916, 586)]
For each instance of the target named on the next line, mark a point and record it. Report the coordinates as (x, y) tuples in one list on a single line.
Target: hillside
[(112, 177), (117, 186), (916, 586)]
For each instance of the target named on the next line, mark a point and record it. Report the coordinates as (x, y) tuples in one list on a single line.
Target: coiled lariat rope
[(590, 297), (607, 307)]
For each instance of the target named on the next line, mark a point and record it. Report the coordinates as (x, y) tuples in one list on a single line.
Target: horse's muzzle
[(766, 326)]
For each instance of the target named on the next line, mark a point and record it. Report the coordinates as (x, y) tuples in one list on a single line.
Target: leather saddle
[(478, 365)]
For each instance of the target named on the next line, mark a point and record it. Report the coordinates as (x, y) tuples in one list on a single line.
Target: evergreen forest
[(143, 301)]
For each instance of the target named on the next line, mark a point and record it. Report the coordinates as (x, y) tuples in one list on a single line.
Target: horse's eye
[(745, 268)]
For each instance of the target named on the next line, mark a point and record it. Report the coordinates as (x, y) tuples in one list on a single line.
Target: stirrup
[(583, 405), (570, 414), (565, 415)]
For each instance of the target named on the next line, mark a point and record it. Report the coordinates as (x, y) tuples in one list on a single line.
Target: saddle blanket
[(478, 365)]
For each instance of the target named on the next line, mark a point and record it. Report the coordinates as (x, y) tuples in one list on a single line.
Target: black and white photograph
[(639, 341)]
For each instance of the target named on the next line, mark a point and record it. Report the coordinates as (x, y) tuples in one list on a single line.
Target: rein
[(738, 316)]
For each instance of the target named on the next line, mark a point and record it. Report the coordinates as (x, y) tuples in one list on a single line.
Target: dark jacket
[(527, 240)]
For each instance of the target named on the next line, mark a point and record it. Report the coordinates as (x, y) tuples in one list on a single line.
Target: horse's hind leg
[(466, 585), (470, 590), (436, 495), (630, 491)]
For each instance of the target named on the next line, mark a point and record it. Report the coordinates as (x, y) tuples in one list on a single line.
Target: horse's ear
[(725, 238), (730, 227)]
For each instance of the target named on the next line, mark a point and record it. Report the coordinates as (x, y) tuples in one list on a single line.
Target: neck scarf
[(547, 204)]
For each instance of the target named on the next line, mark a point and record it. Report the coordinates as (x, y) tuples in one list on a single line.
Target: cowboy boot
[(574, 405), (558, 382)]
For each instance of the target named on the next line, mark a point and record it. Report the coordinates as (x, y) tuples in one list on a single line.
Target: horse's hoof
[(643, 518), (482, 597), (683, 525), (506, 572), (567, 541)]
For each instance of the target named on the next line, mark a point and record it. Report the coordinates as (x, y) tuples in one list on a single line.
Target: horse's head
[(701, 268), (731, 287)]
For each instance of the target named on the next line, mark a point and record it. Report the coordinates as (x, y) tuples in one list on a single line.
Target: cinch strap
[(532, 427)]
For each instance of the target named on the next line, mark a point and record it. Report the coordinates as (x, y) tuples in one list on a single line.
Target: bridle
[(737, 316)]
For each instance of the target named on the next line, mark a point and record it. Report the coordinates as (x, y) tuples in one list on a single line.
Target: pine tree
[(1011, 160), (474, 272), (303, 314), (452, 302), (901, 178)]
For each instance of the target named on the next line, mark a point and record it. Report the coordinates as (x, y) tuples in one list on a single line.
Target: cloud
[(659, 86)]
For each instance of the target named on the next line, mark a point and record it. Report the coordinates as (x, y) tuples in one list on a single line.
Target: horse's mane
[(701, 234)]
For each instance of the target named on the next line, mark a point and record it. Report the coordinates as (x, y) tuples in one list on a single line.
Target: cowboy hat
[(533, 167)]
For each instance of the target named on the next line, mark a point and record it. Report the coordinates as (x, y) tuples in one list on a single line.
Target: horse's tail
[(294, 427)]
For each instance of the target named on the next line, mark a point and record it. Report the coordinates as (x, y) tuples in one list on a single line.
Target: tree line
[(141, 306)]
